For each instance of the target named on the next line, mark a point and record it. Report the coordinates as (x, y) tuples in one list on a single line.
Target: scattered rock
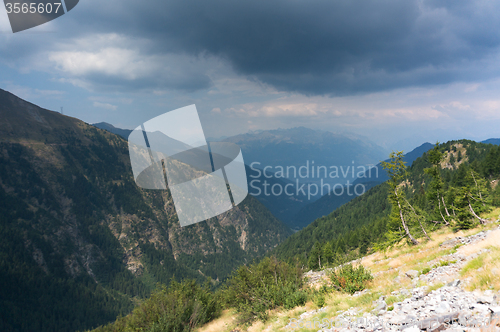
[(485, 299), (451, 242), (380, 306), (311, 313), (449, 308), (412, 274)]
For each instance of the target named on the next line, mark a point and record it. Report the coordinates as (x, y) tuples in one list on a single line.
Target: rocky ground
[(447, 308)]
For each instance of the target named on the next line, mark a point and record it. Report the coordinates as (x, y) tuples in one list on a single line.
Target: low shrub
[(295, 299), (254, 289), (350, 279), (179, 308), (319, 299)]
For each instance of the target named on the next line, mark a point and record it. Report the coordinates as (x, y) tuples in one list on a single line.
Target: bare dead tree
[(481, 220), (418, 218), (405, 226)]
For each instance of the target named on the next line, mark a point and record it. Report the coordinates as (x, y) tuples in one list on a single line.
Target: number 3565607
[(32, 8)]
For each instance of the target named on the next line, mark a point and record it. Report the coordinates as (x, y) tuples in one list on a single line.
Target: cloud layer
[(386, 68), (322, 46), (311, 47)]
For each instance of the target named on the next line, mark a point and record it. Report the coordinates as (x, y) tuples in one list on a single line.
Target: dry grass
[(387, 266), (479, 270), (226, 322)]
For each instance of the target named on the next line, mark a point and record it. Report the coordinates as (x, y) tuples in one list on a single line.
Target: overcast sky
[(397, 72)]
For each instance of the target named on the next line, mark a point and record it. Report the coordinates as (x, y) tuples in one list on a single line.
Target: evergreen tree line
[(451, 185)]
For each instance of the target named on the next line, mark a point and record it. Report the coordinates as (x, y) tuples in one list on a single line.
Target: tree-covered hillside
[(465, 173), (80, 242), (361, 211)]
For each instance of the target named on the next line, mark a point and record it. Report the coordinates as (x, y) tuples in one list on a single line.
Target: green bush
[(319, 299), (254, 289), (350, 279), (179, 308), (425, 270), (295, 299)]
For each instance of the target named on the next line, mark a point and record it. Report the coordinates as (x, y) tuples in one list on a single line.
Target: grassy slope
[(386, 266)]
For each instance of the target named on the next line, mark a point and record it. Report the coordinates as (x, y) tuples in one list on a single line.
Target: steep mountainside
[(79, 240), (359, 212)]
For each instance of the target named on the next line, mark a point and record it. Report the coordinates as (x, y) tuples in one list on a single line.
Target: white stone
[(443, 307)]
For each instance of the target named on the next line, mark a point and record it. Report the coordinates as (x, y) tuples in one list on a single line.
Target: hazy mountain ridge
[(109, 127), (70, 203), (371, 178), (296, 148), (293, 147)]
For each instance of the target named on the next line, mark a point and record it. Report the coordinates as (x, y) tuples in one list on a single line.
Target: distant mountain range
[(299, 147), (298, 151), (494, 141), (291, 158), (291, 149)]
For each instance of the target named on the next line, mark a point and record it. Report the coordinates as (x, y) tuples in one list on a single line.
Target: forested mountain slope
[(79, 240), (358, 225), (372, 177), (356, 214)]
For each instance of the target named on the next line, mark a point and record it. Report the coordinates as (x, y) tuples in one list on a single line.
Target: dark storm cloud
[(319, 46)]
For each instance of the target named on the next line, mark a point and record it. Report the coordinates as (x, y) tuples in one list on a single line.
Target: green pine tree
[(396, 169)]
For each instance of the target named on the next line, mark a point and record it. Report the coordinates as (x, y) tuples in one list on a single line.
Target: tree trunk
[(407, 231), (483, 221), (441, 213), (416, 215), (447, 213), (477, 187)]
